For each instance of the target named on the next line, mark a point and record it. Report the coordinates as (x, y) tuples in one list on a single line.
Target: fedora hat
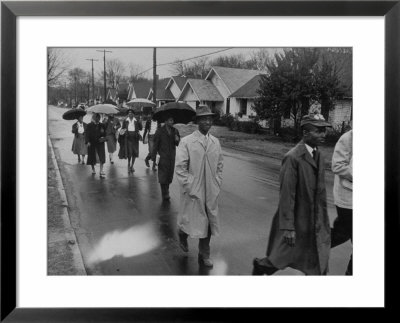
[(203, 110)]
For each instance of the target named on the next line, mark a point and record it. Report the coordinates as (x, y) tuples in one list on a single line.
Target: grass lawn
[(261, 144)]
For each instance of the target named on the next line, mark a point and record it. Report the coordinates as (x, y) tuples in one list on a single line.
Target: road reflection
[(135, 241)]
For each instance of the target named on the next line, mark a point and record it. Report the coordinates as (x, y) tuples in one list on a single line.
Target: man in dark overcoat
[(166, 139), (300, 232), (95, 139)]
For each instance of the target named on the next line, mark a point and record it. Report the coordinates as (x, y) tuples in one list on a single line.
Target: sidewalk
[(63, 254)]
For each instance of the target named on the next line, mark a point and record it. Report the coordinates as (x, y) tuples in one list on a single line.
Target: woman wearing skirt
[(78, 145), (112, 125), (95, 138), (129, 140)]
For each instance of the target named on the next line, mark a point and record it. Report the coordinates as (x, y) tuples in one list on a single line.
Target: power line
[(186, 59)]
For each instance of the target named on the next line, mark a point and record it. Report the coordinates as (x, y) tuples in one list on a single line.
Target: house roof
[(204, 90), (234, 78), (180, 81), (122, 86), (163, 94), (141, 89), (112, 92), (248, 90)]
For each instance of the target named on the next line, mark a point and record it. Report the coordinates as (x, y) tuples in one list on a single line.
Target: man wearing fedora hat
[(300, 231), (198, 168)]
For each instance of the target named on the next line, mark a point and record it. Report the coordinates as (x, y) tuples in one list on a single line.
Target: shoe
[(259, 270), (206, 262), (154, 166), (93, 172), (111, 161), (83, 162), (147, 162), (102, 174), (183, 244)]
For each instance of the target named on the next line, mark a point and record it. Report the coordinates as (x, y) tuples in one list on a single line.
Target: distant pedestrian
[(78, 145), (112, 125), (199, 167), (342, 167), (166, 139), (300, 232), (129, 139), (95, 138), (150, 129)]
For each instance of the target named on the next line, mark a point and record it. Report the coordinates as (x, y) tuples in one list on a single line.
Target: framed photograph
[(110, 243)]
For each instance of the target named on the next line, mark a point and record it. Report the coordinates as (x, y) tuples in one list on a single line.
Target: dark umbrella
[(74, 114), (181, 112)]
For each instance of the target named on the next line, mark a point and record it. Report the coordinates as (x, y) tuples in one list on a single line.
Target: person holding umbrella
[(95, 138), (78, 145), (166, 139), (150, 129), (199, 165), (129, 139), (112, 125)]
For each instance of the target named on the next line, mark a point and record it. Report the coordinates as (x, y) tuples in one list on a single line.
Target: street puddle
[(129, 243)]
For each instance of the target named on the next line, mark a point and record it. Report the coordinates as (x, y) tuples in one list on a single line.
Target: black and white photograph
[(196, 161)]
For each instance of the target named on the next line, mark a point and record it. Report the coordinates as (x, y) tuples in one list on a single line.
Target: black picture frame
[(10, 10)]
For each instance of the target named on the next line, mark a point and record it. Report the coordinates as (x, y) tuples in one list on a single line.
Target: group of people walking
[(300, 236)]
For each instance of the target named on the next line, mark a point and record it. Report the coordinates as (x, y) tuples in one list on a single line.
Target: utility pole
[(155, 76), (105, 86), (75, 90), (93, 95)]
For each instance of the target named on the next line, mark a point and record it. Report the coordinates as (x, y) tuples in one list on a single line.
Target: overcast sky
[(143, 57)]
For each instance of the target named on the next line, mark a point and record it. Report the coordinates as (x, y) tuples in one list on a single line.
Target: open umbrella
[(73, 114), (138, 104), (181, 112), (103, 108)]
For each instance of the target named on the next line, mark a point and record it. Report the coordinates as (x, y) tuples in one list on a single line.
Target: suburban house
[(175, 85), (164, 94), (198, 91), (112, 95), (228, 81), (243, 98), (138, 90)]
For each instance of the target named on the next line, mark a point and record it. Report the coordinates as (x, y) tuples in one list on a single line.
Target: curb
[(69, 232)]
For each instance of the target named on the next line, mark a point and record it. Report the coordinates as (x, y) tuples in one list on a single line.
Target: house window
[(243, 106), (228, 105)]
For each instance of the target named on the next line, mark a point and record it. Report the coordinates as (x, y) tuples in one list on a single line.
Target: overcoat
[(123, 139), (199, 171), (93, 133), (303, 208), (111, 128), (78, 144), (165, 145)]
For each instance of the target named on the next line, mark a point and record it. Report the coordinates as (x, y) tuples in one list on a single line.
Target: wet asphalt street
[(123, 228)]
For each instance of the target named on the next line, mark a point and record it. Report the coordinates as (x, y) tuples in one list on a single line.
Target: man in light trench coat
[(198, 168), (300, 232)]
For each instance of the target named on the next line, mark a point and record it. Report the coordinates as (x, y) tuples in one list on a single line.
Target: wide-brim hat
[(130, 110), (203, 111), (316, 120)]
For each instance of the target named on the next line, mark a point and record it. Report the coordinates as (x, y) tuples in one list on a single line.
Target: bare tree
[(57, 65), (115, 70), (260, 59)]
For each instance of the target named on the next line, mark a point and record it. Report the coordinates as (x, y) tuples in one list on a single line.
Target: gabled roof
[(112, 93), (180, 81), (163, 94), (233, 78), (141, 89), (248, 90), (203, 89)]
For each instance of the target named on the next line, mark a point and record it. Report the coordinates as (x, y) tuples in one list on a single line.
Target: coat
[(165, 145), (147, 128), (303, 208), (199, 172), (342, 167), (75, 128), (92, 135), (123, 142)]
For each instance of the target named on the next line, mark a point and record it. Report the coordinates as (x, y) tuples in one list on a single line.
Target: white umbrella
[(138, 104), (103, 108)]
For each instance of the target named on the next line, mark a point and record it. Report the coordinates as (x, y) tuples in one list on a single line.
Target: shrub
[(245, 126), (225, 120)]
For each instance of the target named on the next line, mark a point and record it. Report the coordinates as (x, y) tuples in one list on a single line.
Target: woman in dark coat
[(129, 139), (165, 141), (95, 138), (78, 145), (112, 125)]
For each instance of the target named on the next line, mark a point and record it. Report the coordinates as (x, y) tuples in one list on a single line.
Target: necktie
[(314, 153)]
